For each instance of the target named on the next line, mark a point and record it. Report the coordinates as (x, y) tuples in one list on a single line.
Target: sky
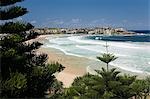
[(130, 14)]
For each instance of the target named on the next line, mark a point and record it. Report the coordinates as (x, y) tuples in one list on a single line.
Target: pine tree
[(23, 72), (107, 57)]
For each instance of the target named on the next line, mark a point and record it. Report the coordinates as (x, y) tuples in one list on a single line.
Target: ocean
[(133, 52), (141, 31)]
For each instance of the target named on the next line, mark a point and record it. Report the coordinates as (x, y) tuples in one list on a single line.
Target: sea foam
[(128, 52)]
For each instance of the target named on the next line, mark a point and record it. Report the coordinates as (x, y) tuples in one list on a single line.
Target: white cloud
[(75, 20), (95, 21), (103, 20), (54, 21), (33, 22), (124, 21), (59, 22)]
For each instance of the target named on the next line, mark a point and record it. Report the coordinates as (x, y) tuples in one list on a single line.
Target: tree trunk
[(107, 67), (145, 96)]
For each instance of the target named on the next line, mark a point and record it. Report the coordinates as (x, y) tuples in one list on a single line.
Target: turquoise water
[(133, 56)]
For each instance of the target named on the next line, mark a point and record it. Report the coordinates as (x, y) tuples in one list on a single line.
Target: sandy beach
[(74, 66)]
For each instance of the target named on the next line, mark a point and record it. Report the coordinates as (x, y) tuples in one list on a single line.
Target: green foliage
[(15, 27), (127, 79), (147, 80), (15, 38), (137, 87), (141, 88), (124, 89), (55, 67), (108, 75), (42, 78), (8, 2), (47, 69), (85, 87), (17, 80), (12, 12), (15, 85), (107, 95), (10, 52), (24, 73), (56, 86), (109, 78), (107, 84), (107, 58)]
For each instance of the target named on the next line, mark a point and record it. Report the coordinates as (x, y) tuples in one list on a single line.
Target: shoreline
[(74, 66)]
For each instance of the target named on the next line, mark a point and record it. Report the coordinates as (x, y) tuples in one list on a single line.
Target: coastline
[(74, 66)]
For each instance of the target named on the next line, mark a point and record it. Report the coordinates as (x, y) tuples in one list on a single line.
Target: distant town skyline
[(130, 14)]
